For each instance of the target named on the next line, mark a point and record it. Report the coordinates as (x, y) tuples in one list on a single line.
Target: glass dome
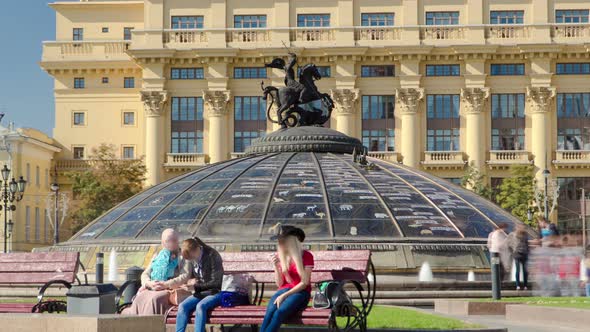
[(327, 194)]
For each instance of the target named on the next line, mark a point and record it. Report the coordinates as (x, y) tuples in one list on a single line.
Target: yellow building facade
[(436, 85), (28, 153)]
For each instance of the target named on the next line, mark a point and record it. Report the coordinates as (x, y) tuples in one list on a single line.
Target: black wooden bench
[(350, 268), (39, 269)]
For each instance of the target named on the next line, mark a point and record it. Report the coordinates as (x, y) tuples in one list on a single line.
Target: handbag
[(178, 295), (329, 295), (238, 283)]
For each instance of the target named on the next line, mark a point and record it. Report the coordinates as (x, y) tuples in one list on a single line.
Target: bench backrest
[(38, 268), (329, 265)]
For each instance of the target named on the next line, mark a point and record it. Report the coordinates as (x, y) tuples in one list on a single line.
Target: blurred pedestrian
[(497, 245), (518, 245), (548, 231)]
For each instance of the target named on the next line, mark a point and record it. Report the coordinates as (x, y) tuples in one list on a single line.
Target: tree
[(106, 183), (475, 181), (516, 193)]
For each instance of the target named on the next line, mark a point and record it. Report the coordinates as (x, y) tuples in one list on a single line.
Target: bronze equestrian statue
[(290, 98)]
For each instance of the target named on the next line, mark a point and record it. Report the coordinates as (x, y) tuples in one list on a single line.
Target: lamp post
[(55, 189), (11, 190), (546, 175), (529, 215)]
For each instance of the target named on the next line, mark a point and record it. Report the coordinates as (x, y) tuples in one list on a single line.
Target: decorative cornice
[(217, 102), (474, 99), (539, 98), (408, 99), (345, 100), (154, 102)]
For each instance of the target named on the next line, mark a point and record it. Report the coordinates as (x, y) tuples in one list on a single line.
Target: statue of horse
[(290, 98)]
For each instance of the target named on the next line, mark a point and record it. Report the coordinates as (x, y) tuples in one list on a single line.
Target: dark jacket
[(211, 270)]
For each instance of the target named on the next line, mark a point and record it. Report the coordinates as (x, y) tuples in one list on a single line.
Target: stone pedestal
[(69, 323)]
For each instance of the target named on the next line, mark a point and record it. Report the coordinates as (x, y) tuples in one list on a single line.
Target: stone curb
[(566, 317)]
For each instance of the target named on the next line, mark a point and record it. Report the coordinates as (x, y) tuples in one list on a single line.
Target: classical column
[(408, 101), (217, 103), (154, 103), (345, 109), (539, 106), (473, 102)]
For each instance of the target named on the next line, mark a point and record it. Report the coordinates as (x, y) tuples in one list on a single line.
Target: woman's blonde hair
[(293, 252)]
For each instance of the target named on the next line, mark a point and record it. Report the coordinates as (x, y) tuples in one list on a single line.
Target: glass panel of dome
[(130, 223), (354, 206), (298, 196), (365, 229), (469, 220), (105, 220), (492, 211), (184, 227), (245, 198), (313, 228), (235, 229)]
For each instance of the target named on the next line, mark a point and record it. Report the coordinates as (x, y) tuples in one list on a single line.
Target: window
[(568, 204), (127, 33), (79, 83), (572, 69), (571, 16), (507, 17), (27, 223), (78, 34), (105, 80), (325, 71), (573, 121), (28, 171), (187, 125), (442, 122), (249, 121), (504, 69), (443, 70), (378, 122), (37, 225), (249, 72), (37, 176), (129, 82), (508, 122), (378, 71), (187, 74), (129, 118), (105, 30), (79, 118), (377, 19), (128, 152), (442, 18), (249, 21), (78, 152), (187, 22), (313, 20)]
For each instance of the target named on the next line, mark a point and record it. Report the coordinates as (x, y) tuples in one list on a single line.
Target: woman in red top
[(293, 267)]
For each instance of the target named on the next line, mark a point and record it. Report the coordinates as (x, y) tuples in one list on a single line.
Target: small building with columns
[(436, 85)]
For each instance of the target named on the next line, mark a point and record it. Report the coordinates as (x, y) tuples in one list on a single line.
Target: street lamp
[(529, 215), (10, 191), (55, 189), (546, 175)]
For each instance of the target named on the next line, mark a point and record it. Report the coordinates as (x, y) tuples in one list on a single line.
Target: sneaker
[(525, 288), (517, 287)]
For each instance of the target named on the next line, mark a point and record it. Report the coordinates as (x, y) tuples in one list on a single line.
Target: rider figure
[(290, 76)]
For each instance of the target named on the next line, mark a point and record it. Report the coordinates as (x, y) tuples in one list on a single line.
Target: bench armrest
[(49, 284), (123, 287)]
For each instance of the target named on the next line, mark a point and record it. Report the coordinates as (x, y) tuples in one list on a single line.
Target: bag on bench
[(329, 295), (236, 289)]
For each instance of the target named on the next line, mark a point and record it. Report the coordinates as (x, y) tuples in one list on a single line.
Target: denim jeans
[(274, 316), (518, 262), (201, 308), (588, 288)]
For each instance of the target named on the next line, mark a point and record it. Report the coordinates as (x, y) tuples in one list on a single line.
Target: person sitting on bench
[(292, 267)]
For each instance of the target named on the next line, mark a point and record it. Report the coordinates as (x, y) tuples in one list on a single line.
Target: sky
[(26, 91)]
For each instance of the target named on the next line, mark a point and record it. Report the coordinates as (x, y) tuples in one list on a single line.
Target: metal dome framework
[(328, 195)]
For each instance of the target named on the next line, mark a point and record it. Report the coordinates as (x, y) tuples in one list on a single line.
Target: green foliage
[(475, 181), (108, 182), (516, 193)]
